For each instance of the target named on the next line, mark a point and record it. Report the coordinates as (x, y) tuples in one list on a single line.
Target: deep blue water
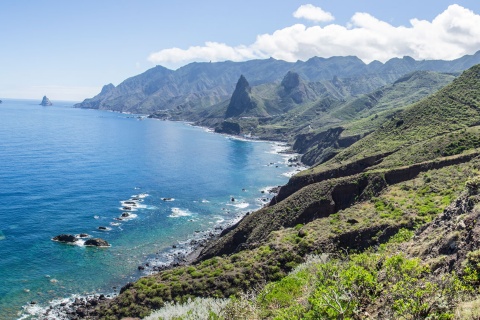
[(65, 170)]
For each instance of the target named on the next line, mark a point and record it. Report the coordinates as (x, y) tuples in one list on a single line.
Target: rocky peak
[(241, 100), (107, 88), (243, 85), (46, 101), (294, 87), (291, 80)]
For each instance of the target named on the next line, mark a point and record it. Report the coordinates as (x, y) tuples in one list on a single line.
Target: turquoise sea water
[(66, 170)]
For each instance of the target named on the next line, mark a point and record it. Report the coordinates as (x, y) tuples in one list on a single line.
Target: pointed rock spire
[(241, 100)]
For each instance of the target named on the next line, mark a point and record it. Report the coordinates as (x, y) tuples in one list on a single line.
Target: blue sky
[(69, 49)]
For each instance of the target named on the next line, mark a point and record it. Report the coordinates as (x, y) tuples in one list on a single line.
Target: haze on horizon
[(69, 50)]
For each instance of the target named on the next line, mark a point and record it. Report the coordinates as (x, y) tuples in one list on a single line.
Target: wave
[(239, 204), (130, 216), (177, 212)]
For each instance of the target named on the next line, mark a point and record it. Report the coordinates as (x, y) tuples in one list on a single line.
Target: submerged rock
[(97, 242), (67, 238)]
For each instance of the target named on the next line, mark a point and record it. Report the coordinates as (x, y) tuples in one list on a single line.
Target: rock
[(97, 242), (83, 235), (301, 233), (81, 312), (46, 102), (167, 199), (102, 228), (274, 189), (241, 101), (125, 214), (233, 199), (67, 238), (141, 268), (127, 208)]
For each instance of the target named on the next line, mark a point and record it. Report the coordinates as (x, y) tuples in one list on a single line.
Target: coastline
[(184, 254)]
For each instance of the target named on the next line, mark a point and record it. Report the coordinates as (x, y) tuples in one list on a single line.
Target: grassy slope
[(455, 107)]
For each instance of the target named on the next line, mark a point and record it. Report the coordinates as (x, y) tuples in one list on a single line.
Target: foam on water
[(239, 205), (177, 212)]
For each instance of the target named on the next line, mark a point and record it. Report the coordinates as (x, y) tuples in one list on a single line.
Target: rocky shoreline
[(84, 307)]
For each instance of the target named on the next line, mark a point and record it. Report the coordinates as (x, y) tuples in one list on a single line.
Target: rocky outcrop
[(241, 101), (97, 242), (46, 102), (294, 87), (66, 238), (229, 127), (320, 147)]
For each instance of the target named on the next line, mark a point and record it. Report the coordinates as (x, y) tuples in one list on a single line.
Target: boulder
[(67, 238), (97, 242)]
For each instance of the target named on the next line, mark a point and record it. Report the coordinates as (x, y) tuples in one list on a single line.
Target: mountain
[(300, 112), (357, 117), (387, 228), (205, 84), (241, 102)]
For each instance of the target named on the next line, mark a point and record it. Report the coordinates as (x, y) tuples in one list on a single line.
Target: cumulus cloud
[(451, 34), (310, 12), (212, 51)]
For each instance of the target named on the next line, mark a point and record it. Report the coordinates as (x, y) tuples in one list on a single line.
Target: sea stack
[(46, 102)]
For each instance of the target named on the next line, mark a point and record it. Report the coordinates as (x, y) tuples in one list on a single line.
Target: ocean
[(68, 171)]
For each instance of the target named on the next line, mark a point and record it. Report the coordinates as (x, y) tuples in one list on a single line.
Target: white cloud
[(310, 12), (452, 34)]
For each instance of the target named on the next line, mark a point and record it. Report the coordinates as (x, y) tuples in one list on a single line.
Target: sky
[(68, 50)]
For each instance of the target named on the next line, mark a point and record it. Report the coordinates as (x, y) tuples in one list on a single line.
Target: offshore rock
[(97, 242), (67, 238), (46, 102)]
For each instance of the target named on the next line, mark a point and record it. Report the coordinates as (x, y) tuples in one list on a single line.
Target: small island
[(46, 102)]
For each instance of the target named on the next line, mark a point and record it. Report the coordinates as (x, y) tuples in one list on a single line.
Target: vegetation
[(405, 205), (386, 229)]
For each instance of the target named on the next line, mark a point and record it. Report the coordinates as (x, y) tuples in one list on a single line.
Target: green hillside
[(455, 107), (385, 229)]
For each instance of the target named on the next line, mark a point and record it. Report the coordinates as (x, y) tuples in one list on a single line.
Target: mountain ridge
[(204, 84)]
